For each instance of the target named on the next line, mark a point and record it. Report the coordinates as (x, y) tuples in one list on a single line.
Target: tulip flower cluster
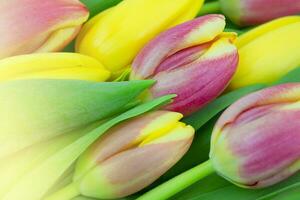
[(106, 119), (254, 144), (115, 36)]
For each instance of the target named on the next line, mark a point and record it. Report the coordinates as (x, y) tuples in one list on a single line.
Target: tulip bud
[(28, 26), (194, 60), (268, 52), (256, 142), (52, 66), (116, 36), (253, 12), (131, 156)]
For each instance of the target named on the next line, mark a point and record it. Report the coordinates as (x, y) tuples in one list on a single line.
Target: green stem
[(209, 8), (179, 183), (69, 192)]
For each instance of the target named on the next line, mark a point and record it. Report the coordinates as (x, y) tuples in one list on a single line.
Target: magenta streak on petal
[(267, 144), (255, 113), (259, 11), (182, 58), (284, 93), (206, 80), (166, 44)]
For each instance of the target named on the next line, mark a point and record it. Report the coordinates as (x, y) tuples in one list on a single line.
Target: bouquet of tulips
[(149, 99)]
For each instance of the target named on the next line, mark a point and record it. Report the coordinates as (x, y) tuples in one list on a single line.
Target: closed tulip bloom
[(117, 35), (253, 12), (268, 52), (256, 142), (195, 60), (28, 26), (52, 66), (130, 156)]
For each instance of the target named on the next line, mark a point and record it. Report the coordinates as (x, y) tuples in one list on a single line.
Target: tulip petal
[(27, 25), (134, 169), (207, 78), (127, 135), (265, 28), (182, 57), (52, 66), (258, 65), (281, 94), (192, 33), (258, 11), (117, 38), (132, 155)]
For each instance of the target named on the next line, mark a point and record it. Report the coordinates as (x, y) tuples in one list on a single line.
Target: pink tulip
[(252, 12), (28, 26), (195, 60), (256, 142), (130, 156)]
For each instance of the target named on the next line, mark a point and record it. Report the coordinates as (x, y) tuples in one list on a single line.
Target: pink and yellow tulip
[(130, 156), (256, 142), (252, 12), (195, 60), (28, 26)]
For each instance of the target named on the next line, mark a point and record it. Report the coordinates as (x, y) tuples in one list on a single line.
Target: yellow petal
[(269, 55), (265, 28), (116, 37), (52, 66)]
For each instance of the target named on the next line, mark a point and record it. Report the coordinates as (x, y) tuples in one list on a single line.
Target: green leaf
[(97, 6), (35, 184), (124, 76), (287, 192), (43, 109), (197, 153), (291, 77), (18, 164), (214, 187), (198, 119), (70, 47), (201, 117)]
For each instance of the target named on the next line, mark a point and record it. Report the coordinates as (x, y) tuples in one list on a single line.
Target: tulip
[(130, 157), (52, 66), (253, 12), (256, 142), (268, 52), (194, 60), (28, 26), (116, 36)]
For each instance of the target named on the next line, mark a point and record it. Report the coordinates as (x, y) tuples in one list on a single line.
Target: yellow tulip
[(52, 66), (117, 35), (268, 52)]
